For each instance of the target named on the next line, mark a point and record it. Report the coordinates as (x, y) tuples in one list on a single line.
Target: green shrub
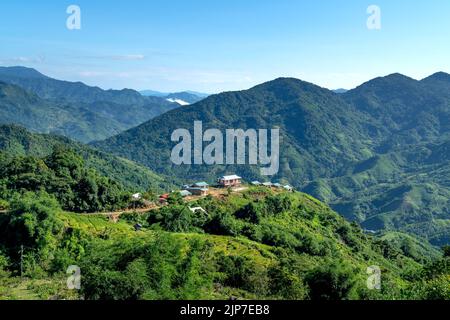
[(446, 251), (252, 212), (223, 224), (4, 205), (332, 281), (240, 272), (286, 284), (33, 224), (130, 270), (278, 204)]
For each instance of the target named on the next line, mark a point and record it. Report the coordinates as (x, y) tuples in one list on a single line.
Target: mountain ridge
[(114, 110), (328, 141)]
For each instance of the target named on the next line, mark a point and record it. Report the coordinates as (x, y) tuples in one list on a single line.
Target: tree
[(150, 195), (65, 163), (4, 264), (64, 175), (332, 281), (33, 224), (175, 198), (278, 204), (285, 283), (446, 250), (252, 213), (87, 194)]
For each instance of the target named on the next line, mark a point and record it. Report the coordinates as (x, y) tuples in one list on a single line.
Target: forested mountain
[(17, 142), (18, 106), (73, 109), (379, 154), (313, 133)]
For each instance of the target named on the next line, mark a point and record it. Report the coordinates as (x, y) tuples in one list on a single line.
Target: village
[(192, 192), (224, 183)]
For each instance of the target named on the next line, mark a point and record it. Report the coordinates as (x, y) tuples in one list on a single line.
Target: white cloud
[(23, 59), (179, 101), (128, 57), (119, 57), (100, 74)]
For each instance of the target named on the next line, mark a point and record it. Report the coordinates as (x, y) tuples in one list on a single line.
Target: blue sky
[(221, 45)]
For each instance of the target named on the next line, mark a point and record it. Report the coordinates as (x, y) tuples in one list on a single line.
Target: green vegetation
[(17, 141), (251, 245), (64, 175)]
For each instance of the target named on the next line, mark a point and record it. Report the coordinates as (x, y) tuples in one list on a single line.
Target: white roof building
[(136, 196), (230, 177)]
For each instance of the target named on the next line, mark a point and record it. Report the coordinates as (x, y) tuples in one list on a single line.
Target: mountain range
[(76, 110), (378, 154)]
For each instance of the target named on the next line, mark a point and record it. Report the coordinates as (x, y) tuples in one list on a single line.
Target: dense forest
[(62, 174)]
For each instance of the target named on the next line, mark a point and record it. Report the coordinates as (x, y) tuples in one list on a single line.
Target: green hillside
[(255, 243), (16, 141), (251, 245), (17, 106), (407, 190)]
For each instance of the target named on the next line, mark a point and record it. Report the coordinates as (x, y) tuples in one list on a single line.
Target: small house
[(163, 198), (185, 193), (202, 184), (277, 185), (197, 209), (136, 196), (288, 188), (198, 191), (267, 184), (256, 183), (229, 181)]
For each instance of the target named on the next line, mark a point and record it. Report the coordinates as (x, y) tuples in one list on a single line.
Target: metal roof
[(201, 184), (230, 177), (185, 193)]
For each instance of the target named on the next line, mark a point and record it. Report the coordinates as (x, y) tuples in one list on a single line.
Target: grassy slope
[(323, 227)]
